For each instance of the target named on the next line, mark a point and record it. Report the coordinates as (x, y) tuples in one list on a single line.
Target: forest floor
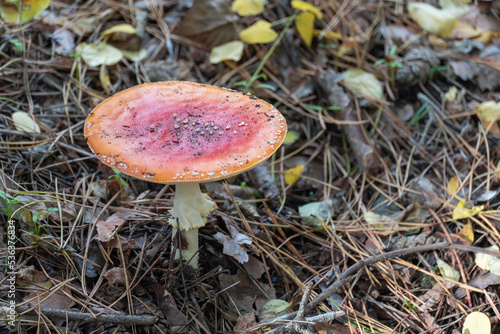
[(379, 213)]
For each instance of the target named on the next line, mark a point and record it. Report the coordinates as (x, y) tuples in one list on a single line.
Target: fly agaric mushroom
[(184, 133)]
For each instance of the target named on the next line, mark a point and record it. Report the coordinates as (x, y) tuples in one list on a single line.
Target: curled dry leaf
[(106, 228), (481, 281), (233, 245)]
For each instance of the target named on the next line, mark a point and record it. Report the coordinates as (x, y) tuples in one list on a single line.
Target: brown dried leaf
[(244, 293), (245, 321), (106, 228), (209, 22), (481, 282)]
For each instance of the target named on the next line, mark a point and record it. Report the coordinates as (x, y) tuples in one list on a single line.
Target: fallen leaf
[(327, 34), (115, 276), (482, 260), (481, 282), (454, 7), (102, 53), (229, 51), (292, 136), (364, 84), (477, 323), (50, 299), (244, 323), (307, 7), (209, 22), (30, 9), (244, 291), (106, 228), (494, 266), (124, 28), (259, 32), (135, 56), (232, 245), (104, 78), (453, 184), (254, 267), (467, 232), (313, 211), (292, 175), (304, 22), (432, 19), (274, 308), (24, 122), (488, 113), (448, 271), (248, 7), (380, 221), (461, 212)]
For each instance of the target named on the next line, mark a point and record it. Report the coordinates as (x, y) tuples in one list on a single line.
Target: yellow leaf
[(307, 7), (482, 259), (291, 137), (248, 7), (477, 323), (461, 212), (432, 19), (104, 78), (453, 184), (467, 232), (364, 83), (229, 51), (494, 265), (98, 54), (498, 169), (125, 28), (305, 26), (489, 112), (259, 32), (292, 175), (448, 271), (328, 34), (30, 9), (24, 122)]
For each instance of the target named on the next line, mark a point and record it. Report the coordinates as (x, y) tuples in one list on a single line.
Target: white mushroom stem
[(189, 213)]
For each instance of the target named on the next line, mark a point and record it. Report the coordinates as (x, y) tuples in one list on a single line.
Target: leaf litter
[(379, 214)]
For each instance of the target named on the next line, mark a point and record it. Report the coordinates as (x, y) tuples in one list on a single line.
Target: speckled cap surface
[(173, 132)]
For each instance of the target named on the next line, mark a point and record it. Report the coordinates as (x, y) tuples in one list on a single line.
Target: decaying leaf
[(229, 51), (259, 32), (21, 12), (233, 244), (432, 19), (248, 7), (364, 84), (274, 308), (106, 228), (24, 122), (481, 281), (210, 23), (489, 113), (482, 259), (477, 323), (448, 271), (313, 211), (244, 293)]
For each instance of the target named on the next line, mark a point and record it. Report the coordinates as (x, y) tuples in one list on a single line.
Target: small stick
[(123, 319)]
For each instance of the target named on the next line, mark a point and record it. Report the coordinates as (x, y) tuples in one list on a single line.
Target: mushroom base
[(189, 213)]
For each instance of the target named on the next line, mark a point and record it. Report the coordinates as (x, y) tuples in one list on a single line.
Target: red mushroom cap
[(174, 132)]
